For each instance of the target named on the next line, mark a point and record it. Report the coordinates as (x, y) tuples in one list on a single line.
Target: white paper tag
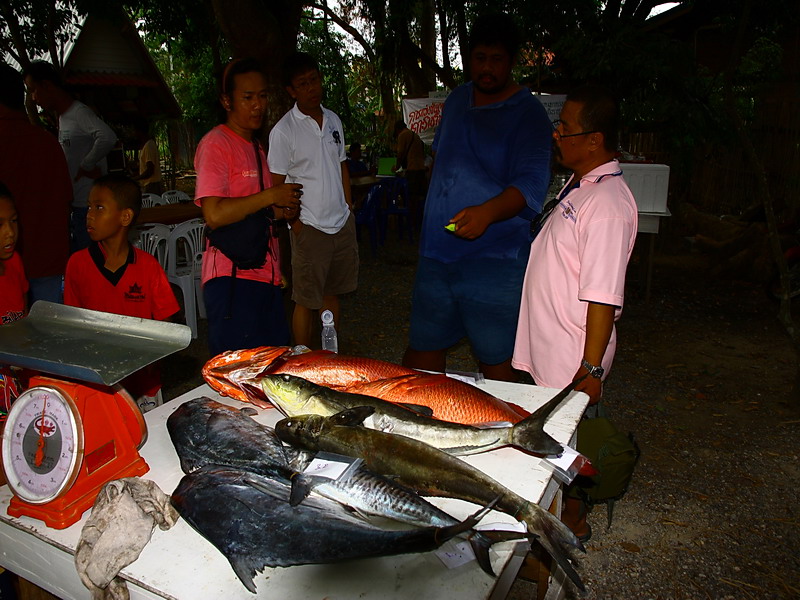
[(455, 553), (325, 467), (563, 462)]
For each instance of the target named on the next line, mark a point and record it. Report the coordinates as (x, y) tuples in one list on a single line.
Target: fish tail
[(529, 434), (555, 537), (481, 541), (445, 533)]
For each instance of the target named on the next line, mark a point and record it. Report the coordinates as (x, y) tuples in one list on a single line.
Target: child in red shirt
[(113, 276), (13, 284)]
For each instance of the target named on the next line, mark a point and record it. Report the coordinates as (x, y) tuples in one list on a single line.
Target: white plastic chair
[(149, 200), (175, 196), (153, 238), (185, 247)]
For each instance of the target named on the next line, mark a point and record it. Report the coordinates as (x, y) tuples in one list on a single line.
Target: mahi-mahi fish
[(428, 470), (208, 433), (296, 396), (249, 518)]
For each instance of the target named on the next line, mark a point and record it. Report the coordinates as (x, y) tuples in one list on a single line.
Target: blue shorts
[(476, 298), (248, 315)]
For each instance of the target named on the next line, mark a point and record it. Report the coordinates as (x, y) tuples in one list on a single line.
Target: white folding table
[(181, 564)]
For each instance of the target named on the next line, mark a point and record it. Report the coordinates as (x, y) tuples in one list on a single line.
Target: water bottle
[(329, 340)]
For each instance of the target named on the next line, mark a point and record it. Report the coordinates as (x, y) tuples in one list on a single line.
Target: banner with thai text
[(422, 115)]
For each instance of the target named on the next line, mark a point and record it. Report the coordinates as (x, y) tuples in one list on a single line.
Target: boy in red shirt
[(13, 284), (113, 276)]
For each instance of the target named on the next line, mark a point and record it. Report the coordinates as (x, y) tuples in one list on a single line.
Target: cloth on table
[(123, 518)]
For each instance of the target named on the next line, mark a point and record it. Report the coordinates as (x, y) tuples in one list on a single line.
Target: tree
[(31, 29)]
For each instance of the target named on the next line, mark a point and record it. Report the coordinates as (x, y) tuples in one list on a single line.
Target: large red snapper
[(448, 398)]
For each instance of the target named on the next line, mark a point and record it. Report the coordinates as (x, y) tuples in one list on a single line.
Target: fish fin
[(352, 416), (529, 434), (555, 537), (254, 393), (481, 541), (564, 563), (420, 409), (453, 530), (275, 366), (248, 411), (244, 571), (302, 486)]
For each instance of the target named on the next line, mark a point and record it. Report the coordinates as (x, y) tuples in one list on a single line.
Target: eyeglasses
[(561, 136)]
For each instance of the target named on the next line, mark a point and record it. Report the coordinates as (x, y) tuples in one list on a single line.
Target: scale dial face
[(42, 444)]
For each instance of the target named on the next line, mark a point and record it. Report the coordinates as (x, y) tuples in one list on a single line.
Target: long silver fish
[(427, 470), (248, 517), (296, 396), (207, 433)]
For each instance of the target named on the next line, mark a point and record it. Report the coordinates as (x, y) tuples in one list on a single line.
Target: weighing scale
[(74, 428)]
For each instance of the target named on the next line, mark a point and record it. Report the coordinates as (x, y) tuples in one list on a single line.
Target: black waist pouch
[(245, 242)]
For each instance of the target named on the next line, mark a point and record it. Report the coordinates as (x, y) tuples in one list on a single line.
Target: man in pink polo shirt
[(575, 280)]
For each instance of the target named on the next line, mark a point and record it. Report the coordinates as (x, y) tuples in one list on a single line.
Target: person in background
[(307, 146), (490, 177), (84, 137), (113, 276), (35, 171), (149, 175), (575, 280), (13, 284), (411, 159), (244, 309), (13, 287), (355, 165)]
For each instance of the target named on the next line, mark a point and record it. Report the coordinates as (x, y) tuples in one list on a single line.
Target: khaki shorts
[(323, 264)]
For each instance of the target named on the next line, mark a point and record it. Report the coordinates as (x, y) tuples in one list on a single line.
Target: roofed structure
[(110, 68)]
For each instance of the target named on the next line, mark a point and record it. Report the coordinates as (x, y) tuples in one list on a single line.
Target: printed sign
[(552, 104), (422, 115)]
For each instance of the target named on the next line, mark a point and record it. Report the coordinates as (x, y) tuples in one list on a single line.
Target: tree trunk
[(268, 32)]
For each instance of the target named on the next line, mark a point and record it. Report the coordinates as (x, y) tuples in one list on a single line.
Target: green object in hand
[(450, 227)]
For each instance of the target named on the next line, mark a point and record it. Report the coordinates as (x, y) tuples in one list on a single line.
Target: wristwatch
[(594, 371)]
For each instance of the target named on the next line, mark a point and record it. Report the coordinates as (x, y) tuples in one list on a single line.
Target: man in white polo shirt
[(307, 146)]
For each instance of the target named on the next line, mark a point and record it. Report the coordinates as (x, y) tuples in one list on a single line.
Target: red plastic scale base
[(113, 431)]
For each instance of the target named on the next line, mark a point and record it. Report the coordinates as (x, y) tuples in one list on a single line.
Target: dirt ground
[(702, 378)]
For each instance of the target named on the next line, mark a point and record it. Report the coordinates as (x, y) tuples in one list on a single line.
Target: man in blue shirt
[(490, 177)]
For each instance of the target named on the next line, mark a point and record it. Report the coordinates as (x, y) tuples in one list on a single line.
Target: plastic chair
[(175, 196), (185, 247), (149, 200), (367, 214), (397, 204), (152, 238)]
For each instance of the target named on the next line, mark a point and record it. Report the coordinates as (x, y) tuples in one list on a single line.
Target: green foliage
[(349, 81), (186, 61), (39, 28)]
